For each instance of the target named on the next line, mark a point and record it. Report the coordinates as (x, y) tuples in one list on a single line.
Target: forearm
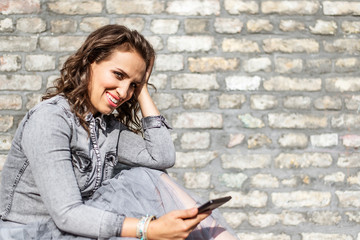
[(129, 227)]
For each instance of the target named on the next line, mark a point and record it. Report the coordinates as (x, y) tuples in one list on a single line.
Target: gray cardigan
[(54, 165)]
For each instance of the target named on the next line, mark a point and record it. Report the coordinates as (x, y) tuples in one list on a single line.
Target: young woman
[(58, 183)]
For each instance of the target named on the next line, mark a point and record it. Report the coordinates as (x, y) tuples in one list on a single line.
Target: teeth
[(112, 99)]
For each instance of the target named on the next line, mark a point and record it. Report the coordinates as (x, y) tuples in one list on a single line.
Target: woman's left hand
[(143, 86)]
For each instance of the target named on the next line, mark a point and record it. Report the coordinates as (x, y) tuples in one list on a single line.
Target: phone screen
[(212, 204)]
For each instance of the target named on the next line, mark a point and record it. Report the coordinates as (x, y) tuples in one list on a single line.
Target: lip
[(110, 101)]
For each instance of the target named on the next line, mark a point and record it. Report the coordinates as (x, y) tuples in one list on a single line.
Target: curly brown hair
[(75, 73)]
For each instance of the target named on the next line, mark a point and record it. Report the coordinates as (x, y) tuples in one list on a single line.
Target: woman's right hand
[(175, 225)]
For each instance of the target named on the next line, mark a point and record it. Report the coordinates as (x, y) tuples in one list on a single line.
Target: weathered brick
[(50, 80), (228, 25), (234, 219), (20, 82), (262, 220), (196, 100), (346, 121), (17, 43), (292, 218), (165, 100), (288, 65), (281, 83), (243, 83), (301, 199), (257, 64), (212, 64), (264, 181), (241, 6), (233, 180), (139, 6), (231, 100), (341, 8), (324, 27), (196, 25), (350, 27), (6, 25), (351, 140), (39, 62), (197, 120), (328, 103), (194, 81), (90, 24), (351, 46), (193, 7), (5, 141), (78, 7), (32, 100), (347, 65), (354, 217), (258, 140), (291, 26), (290, 45), (334, 177), (239, 45), (293, 140), (169, 62), (10, 102), (290, 7), (318, 66), (303, 160), (164, 26), (342, 84), (196, 180), (297, 102), (263, 102), (253, 199), (137, 24), (195, 140), (19, 6), (325, 236), (263, 236), (353, 179), (294, 120), (240, 161), (2, 161), (290, 182), (249, 121), (194, 159), (31, 25), (10, 63), (349, 160), (190, 43), (63, 26), (259, 25), (159, 80), (6, 122), (235, 139), (352, 102), (156, 42), (348, 198), (61, 43)]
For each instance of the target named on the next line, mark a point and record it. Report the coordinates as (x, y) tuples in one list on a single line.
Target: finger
[(187, 213)]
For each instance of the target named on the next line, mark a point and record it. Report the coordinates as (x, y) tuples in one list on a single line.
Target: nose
[(123, 90)]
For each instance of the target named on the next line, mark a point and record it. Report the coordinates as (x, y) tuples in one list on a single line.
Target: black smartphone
[(212, 204)]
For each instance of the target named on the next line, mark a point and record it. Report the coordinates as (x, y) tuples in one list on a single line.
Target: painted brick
[(351, 140), (195, 140), (324, 27), (234, 101), (263, 102), (328, 103), (290, 7), (325, 236), (257, 64), (241, 6), (351, 46), (288, 65), (196, 25), (297, 102), (243, 83), (194, 159), (61, 43), (20, 82), (258, 140), (212, 64), (291, 26), (346, 121), (10, 102), (264, 181), (233, 180), (134, 23), (6, 122), (348, 198), (290, 45), (165, 100), (165, 26), (190, 43), (90, 24), (6, 25), (318, 65), (228, 25), (350, 27), (255, 199), (10, 63), (193, 7), (31, 25), (19, 7), (344, 65), (334, 8), (281, 83), (294, 120), (249, 121), (293, 140), (17, 43), (239, 45), (303, 160), (63, 26), (259, 25), (351, 160), (342, 84), (197, 120), (196, 100), (169, 62), (139, 6), (197, 180), (263, 220), (5, 140), (234, 219), (194, 81), (39, 62)]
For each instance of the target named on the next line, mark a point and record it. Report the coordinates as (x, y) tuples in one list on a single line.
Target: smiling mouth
[(112, 100)]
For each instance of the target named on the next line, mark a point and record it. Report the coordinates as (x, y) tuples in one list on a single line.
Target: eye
[(119, 75), (134, 85)]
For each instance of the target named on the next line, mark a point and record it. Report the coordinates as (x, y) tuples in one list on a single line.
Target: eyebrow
[(127, 75)]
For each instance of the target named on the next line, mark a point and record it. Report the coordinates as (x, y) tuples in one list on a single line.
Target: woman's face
[(114, 80)]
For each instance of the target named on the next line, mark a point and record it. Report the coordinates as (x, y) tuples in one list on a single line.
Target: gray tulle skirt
[(134, 193)]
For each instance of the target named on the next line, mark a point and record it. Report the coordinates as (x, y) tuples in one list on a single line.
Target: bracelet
[(142, 226)]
